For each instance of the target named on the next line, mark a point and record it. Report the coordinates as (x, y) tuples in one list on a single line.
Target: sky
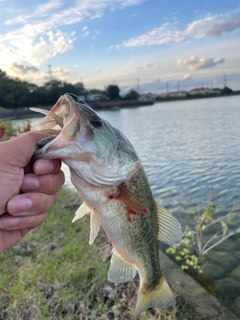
[(146, 45)]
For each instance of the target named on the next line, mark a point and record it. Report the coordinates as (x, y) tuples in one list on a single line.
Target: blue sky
[(150, 42)]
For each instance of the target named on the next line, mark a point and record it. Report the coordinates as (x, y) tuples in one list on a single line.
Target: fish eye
[(96, 121)]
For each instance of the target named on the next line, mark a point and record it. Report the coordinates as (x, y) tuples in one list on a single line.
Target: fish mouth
[(60, 125)]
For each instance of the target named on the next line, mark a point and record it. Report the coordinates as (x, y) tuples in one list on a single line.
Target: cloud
[(41, 11), (38, 46), (62, 72), (187, 76), (20, 69), (147, 66), (170, 32), (40, 30), (194, 63), (85, 31), (227, 26)]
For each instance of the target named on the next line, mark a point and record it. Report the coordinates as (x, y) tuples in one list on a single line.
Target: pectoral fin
[(94, 222), (169, 229), (133, 205), (120, 270), (81, 212)]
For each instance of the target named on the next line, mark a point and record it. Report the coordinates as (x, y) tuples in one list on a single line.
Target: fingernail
[(10, 222), (19, 204), (44, 167), (30, 183)]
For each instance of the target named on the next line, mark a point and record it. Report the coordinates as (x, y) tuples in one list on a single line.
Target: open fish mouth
[(62, 118)]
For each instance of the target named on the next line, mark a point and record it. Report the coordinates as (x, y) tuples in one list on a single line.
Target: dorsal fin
[(120, 270), (169, 229)]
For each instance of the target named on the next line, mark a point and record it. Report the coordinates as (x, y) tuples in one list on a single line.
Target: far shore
[(24, 113)]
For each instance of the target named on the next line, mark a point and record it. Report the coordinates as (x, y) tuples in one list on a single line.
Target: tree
[(112, 92), (132, 95), (226, 90)]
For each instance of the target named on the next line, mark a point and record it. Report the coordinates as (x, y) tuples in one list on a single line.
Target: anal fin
[(120, 270)]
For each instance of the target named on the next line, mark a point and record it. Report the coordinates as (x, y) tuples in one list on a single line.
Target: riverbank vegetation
[(193, 250), (15, 93)]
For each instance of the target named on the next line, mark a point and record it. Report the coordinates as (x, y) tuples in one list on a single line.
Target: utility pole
[(138, 85), (178, 86), (225, 80), (50, 71), (167, 88)]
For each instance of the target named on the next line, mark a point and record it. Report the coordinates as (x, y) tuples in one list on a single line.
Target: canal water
[(191, 153)]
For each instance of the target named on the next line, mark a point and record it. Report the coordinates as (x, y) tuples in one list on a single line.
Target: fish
[(108, 174)]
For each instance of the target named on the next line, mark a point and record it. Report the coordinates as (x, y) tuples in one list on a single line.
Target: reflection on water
[(189, 149)]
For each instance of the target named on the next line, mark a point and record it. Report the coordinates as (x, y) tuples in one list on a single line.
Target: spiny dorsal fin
[(94, 226), (120, 270), (81, 211), (169, 229)]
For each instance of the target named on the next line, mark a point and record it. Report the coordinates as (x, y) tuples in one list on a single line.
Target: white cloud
[(85, 31), (170, 32), (41, 11), (61, 73), (41, 37), (227, 26), (28, 45), (187, 76), (194, 63)]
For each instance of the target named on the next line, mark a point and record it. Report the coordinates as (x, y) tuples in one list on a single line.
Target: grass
[(53, 273)]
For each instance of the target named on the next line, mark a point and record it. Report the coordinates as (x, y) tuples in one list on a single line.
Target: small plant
[(192, 250), (9, 130)]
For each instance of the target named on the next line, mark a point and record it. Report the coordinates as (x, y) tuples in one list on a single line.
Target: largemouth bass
[(106, 171)]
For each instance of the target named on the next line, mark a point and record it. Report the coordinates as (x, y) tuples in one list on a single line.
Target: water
[(190, 151)]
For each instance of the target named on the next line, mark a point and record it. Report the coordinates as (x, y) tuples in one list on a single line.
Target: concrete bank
[(206, 305)]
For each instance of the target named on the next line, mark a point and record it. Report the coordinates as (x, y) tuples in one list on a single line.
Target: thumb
[(18, 151)]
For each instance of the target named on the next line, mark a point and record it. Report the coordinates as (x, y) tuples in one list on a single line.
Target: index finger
[(20, 149)]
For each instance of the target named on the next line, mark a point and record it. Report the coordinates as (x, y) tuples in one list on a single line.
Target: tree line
[(15, 93)]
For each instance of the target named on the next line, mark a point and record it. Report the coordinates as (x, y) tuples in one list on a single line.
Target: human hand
[(27, 190)]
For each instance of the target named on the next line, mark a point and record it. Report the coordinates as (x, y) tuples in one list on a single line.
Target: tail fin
[(160, 297)]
